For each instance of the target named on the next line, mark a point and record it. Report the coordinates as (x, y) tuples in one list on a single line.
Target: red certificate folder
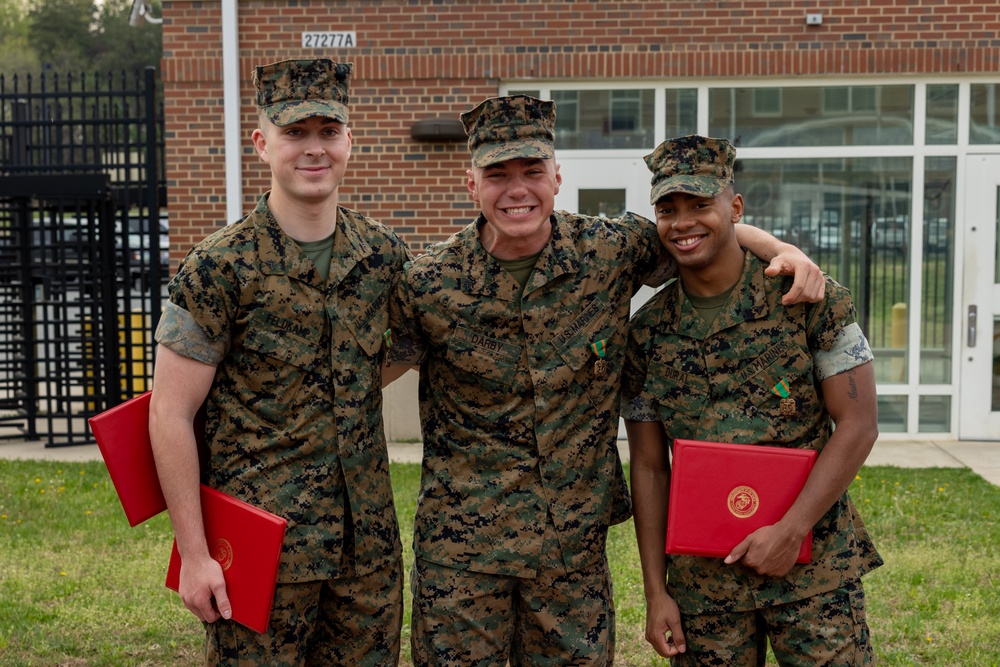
[(720, 493), (247, 542), (122, 434)]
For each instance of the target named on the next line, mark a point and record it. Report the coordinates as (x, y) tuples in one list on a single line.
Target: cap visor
[(286, 113), (699, 186), (490, 154)]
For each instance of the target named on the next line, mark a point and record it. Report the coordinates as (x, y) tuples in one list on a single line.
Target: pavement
[(982, 457)]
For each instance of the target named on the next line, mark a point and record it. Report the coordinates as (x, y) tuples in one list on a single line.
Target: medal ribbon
[(781, 389), (387, 337), (599, 348)]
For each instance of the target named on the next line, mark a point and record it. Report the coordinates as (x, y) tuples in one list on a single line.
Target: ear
[(737, 208), (471, 185), (558, 179), (260, 143)]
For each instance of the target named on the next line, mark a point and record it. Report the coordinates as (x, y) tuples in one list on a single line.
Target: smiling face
[(516, 197), (308, 158), (698, 232)]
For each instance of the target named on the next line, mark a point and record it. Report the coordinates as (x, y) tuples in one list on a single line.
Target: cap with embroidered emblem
[(506, 128), (291, 90), (694, 164)]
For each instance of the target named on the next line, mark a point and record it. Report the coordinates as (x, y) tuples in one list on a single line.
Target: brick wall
[(416, 60)]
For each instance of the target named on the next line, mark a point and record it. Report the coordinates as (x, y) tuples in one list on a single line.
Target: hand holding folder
[(246, 540), (720, 493)]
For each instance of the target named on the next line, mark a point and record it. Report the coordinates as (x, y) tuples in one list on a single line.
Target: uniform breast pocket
[(278, 372), (371, 323), (476, 357), (783, 394), (682, 400), (594, 359)]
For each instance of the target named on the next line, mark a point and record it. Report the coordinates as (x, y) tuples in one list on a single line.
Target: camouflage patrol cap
[(291, 90), (697, 165), (505, 128)]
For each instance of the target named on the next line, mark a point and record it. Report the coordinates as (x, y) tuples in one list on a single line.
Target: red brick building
[(868, 132)]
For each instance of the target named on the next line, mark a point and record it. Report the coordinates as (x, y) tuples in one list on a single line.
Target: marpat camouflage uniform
[(717, 383), (521, 473), (520, 421), (294, 416)]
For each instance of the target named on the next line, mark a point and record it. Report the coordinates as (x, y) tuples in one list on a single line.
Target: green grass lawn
[(79, 587)]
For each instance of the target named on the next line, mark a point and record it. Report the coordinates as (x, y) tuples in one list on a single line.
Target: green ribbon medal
[(599, 348), (781, 389)]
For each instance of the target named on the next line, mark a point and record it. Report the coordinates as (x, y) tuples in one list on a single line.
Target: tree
[(76, 37), (16, 53), (122, 46), (62, 32)]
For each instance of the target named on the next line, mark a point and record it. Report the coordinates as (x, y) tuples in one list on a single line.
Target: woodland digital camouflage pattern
[(291, 90), (571, 619), (505, 128), (721, 383), (365, 621), (737, 639), (519, 413), (697, 165), (294, 417)]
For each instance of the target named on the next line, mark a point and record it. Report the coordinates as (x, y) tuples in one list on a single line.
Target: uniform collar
[(750, 300), (483, 275), (281, 255)]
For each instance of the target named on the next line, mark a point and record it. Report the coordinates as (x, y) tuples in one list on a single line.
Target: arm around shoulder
[(785, 259)]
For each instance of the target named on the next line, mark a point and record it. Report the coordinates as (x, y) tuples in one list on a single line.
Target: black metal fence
[(83, 248)]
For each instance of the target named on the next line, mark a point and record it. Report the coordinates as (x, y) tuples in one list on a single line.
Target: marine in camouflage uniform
[(294, 331), (757, 372), (519, 394)]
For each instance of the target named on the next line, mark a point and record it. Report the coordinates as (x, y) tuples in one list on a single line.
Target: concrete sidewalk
[(981, 457)]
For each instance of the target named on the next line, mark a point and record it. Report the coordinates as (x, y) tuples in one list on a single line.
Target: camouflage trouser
[(826, 629), (350, 621), (471, 618)]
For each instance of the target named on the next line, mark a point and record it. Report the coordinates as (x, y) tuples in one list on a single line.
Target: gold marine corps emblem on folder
[(743, 502), (223, 553)]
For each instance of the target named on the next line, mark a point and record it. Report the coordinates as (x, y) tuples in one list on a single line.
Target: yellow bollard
[(140, 329), (898, 332), (140, 356)]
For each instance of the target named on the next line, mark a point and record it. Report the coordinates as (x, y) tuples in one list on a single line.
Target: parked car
[(139, 255), (890, 235), (828, 236)]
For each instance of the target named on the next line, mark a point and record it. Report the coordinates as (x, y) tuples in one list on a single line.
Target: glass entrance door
[(606, 187), (979, 399)]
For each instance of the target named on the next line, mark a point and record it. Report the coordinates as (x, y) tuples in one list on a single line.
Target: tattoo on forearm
[(852, 393)]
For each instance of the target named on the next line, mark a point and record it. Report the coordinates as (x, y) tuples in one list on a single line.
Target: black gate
[(83, 248)]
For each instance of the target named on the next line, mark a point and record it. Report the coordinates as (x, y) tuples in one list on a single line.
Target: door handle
[(971, 327)]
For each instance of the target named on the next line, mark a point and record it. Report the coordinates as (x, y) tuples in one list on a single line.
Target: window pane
[(984, 125), (852, 217), (935, 414), (681, 112), (996, 237), (942, 114), (602, 203), (588, 119), (892, 414), (813, 116), (938, 271), (995, 403)]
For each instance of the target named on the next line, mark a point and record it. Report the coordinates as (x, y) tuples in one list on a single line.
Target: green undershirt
[(708, 307), (520, 269), (320, 253)]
